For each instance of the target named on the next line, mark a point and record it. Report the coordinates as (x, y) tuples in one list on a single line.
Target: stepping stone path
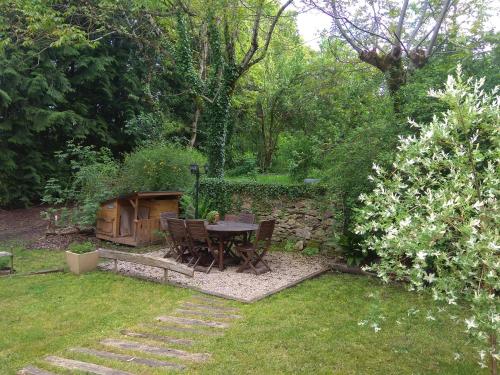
[(92, 368), (31, 370), (199, 316), (138, 347), (128, 358), (153, 337), (195, 322)]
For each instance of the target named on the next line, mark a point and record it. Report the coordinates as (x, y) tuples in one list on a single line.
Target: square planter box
[(81, 263)]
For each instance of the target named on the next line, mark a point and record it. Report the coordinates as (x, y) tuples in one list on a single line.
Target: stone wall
[(306, 222)]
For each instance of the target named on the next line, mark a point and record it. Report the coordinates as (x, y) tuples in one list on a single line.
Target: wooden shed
[(134, 219)]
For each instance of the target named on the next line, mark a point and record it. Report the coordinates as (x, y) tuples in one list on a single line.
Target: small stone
[(299, 245), (304, 233)]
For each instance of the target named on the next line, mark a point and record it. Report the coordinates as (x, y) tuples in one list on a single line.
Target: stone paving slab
[(32, 370), (137, 346), (190, 305), (208, 314), (151, 336), (87, 367), (128, 358), (187, 329), (195, 322)]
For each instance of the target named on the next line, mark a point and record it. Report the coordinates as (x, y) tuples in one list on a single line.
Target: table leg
[(221, 253)]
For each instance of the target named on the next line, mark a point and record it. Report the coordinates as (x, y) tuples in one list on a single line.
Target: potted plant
[(213, 217), (82, 257)]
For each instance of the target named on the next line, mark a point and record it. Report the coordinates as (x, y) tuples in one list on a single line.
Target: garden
[(204, 187)]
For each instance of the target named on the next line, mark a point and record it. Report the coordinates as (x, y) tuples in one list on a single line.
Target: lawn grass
[(281, 179), (309, 329)]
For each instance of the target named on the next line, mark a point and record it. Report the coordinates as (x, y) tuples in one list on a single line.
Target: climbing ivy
[(220, 192)]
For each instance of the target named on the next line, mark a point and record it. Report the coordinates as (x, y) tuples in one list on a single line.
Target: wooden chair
[(230, 217), (180, 240), (164, 216), (253, 253), (200, 240), (246, 217)]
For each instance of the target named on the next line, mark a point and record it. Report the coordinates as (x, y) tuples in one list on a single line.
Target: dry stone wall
[(304, 221)]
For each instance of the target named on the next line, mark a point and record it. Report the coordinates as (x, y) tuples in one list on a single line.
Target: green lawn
[(309, 329)]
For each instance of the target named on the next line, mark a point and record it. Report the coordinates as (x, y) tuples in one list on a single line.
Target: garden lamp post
[(195, 169)]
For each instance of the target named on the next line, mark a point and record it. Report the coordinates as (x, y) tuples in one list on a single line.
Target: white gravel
[(287, 269)]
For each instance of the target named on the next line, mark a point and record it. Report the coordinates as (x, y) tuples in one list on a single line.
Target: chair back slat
[(231, 218), (246, 217), (265, 232), (177, 230), (197, 230), (163, 219)]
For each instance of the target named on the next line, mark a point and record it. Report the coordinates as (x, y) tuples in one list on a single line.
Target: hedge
[(219, 191)]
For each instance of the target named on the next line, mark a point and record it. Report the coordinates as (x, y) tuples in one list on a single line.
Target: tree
[(396, 39), (225, 55), (433, 219)]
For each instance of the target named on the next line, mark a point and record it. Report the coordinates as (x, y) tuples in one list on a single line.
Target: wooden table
[(225, 230)]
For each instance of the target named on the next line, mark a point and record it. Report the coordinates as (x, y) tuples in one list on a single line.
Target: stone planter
[(81, 263)]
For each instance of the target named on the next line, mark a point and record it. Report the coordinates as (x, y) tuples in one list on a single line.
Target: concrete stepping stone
[(183, 329), (209, 314), (154, 337), (210, 307), (205, 299), (137, 346), (87, 367), (32, 370), (128, 358), (194, 322)]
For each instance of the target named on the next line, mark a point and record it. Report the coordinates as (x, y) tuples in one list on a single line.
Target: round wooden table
[(225, 231)]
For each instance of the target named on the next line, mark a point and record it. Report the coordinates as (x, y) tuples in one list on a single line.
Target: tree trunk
[(194, 125)]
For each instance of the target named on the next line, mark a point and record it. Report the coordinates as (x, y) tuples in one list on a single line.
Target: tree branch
[(432, 42), (402, 15), (420, 22), (245, 66)]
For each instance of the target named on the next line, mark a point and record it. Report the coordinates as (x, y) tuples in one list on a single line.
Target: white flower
[(493, 246), (456, 356), (471, 323), (362, 322), (430, 277), (421, 255), (478, 205), (429, 317), (406, 222), (376, 327)]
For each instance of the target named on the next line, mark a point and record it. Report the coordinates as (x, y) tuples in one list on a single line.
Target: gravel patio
[(288, 269)]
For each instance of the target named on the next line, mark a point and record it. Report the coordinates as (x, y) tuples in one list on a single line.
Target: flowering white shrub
[(434, 218)]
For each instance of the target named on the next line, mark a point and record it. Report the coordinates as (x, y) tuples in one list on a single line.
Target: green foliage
[(4, 263), (159, 166), (212, 217), (246, 165), (97, 176), (433, 219), (81, 247), (219, 192), (310, 251)]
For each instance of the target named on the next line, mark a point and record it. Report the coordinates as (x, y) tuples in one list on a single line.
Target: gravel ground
[(287, 268)]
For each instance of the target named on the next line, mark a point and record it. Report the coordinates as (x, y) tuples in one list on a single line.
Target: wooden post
[(115, 266), (12, 263), (165, 275)]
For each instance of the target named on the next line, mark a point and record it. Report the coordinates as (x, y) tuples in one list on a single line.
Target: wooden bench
[(146, 260), (11, 256)]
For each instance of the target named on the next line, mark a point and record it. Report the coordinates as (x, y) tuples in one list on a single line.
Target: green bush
[(160, 166), (219, 192), (4, 262), (310, 251), (81, 247)]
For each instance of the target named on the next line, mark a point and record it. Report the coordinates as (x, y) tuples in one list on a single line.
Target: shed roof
[(146, 194)]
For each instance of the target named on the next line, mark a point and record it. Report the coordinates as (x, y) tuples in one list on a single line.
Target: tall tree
[(395, 37), (232, 41)]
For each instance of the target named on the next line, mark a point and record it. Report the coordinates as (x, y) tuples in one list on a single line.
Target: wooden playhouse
[(134, 219)]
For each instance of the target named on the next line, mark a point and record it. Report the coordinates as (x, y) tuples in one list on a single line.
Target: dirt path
[(21, 224)]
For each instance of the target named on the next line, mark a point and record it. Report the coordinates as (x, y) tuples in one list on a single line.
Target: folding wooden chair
[(200, 240), (253, 253), (246, 217), (164, 228), (180, 240), (230, 217)]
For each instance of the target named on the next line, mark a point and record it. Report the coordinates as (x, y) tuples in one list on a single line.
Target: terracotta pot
[(81, 263)]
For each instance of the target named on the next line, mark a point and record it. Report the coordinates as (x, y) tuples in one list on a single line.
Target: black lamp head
[(194, 168)]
